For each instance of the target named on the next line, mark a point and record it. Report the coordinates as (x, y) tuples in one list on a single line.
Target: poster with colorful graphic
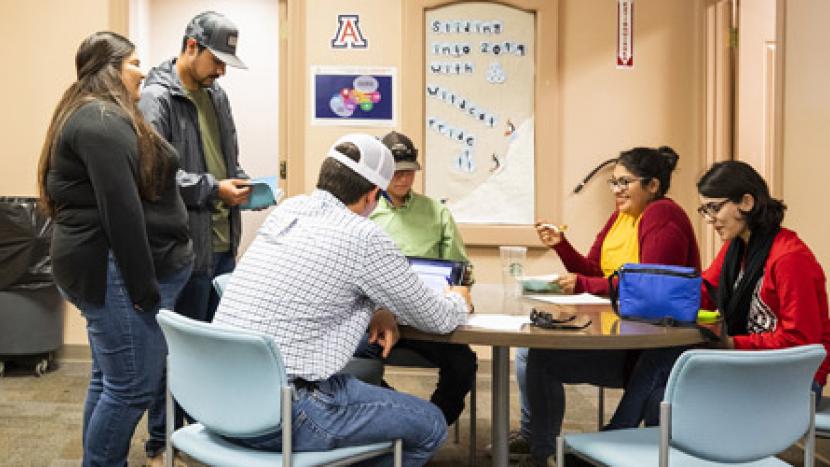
[(353, 96)]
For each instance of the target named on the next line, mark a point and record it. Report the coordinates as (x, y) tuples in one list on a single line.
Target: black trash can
[(31, 308)]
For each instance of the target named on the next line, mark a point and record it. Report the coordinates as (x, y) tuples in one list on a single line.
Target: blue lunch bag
[(656, 293)]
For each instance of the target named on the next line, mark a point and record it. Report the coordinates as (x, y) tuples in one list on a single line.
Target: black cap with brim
[(229, 59), (407, 165), (216, 33)]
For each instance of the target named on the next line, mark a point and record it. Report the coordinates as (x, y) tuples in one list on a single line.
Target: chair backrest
[(740, 406), (219, 283), (228, 379)]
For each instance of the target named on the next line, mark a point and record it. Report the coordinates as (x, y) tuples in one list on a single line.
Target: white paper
[(497, 322), (579, 299), (544, 278)]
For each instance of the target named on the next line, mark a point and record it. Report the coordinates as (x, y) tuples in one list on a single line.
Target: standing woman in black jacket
[(120, 248)]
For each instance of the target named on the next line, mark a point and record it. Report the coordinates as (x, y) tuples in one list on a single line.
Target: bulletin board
[(479, 145), (488, 112)]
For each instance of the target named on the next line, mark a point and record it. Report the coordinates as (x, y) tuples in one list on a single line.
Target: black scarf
[(733, 302)]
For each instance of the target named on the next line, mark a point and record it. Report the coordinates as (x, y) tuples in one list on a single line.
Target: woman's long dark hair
[(734, 179), (98, 65)]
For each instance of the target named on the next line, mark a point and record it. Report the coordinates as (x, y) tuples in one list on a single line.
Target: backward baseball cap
[(216, 32), (375, 164)]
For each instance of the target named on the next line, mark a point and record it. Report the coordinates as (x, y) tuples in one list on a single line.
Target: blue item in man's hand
[(264, 193)]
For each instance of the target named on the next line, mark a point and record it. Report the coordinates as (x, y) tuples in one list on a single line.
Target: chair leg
[(665, 427), (472, 459), (169, 452), (810, 442), (560, 451), (398, 453), (287, 447), (457, 431), (600, 407)]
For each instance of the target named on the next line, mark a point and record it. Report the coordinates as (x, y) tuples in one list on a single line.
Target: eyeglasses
[(623, 182), (710, 210), (543, 319)]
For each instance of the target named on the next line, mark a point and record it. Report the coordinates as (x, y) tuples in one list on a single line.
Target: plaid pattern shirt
[(314, 276)]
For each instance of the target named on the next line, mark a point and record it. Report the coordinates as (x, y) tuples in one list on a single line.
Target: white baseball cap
[(376, 163)]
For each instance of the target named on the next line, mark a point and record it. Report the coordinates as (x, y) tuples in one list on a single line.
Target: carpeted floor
[(40, 418)]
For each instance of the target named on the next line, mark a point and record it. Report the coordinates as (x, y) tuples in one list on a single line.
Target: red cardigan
[(793, 291), (665, 235)]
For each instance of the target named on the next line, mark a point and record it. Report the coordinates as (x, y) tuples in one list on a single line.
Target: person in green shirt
[(422, 226)]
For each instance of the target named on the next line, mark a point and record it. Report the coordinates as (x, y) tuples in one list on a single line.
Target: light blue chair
[(367, 370), (721, 407), (229, 379)]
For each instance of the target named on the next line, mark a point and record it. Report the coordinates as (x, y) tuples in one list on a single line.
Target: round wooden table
[(606, 331)]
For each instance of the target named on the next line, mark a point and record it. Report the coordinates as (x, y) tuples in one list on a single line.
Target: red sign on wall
[(625, 33)]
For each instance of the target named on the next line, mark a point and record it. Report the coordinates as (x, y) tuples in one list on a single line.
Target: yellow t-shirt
[(621, 244)]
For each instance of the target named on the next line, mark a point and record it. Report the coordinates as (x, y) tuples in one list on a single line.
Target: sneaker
[(517, 446)]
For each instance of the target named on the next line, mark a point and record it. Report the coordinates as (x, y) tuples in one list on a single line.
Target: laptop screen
[(437, 274)]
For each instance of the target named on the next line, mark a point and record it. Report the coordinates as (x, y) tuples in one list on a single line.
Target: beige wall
[(806, 118), (42, 55), (603, 110), (380, 23), (40, 52)]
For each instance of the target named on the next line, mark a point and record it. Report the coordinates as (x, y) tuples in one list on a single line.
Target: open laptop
[(437, 274)]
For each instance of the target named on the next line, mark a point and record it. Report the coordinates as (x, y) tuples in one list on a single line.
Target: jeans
[(343, 411), (547, 372), (817, 390), (128, 353), (456, 370), (521, 380), (644, 391), (197, 300)]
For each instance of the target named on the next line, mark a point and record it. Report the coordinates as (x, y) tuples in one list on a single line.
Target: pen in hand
[(558, 229)]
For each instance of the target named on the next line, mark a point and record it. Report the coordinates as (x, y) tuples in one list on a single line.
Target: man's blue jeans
[(198, 300), (128, 353), (344, 411)]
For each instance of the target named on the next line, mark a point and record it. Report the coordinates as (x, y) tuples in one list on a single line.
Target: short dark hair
[(199, 46), (648, 163), (734, 179), (341, 181)]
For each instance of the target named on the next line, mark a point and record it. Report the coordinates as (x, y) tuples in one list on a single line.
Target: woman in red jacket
[(769, 287), (646, 227)]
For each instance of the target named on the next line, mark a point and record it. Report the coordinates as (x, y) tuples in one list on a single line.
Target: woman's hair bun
[(670, 155)]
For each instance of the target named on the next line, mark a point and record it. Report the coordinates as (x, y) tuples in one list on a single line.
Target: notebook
[(437, 274), (264, 193)]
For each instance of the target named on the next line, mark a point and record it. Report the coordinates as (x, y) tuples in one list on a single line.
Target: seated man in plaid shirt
[(316, 276)]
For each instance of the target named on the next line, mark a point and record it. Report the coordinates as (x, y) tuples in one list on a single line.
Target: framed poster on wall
[(479, 103), (353, 96), (481, 100)]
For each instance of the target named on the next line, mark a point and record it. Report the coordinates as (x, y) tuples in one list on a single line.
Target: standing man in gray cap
[(188, 108)]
